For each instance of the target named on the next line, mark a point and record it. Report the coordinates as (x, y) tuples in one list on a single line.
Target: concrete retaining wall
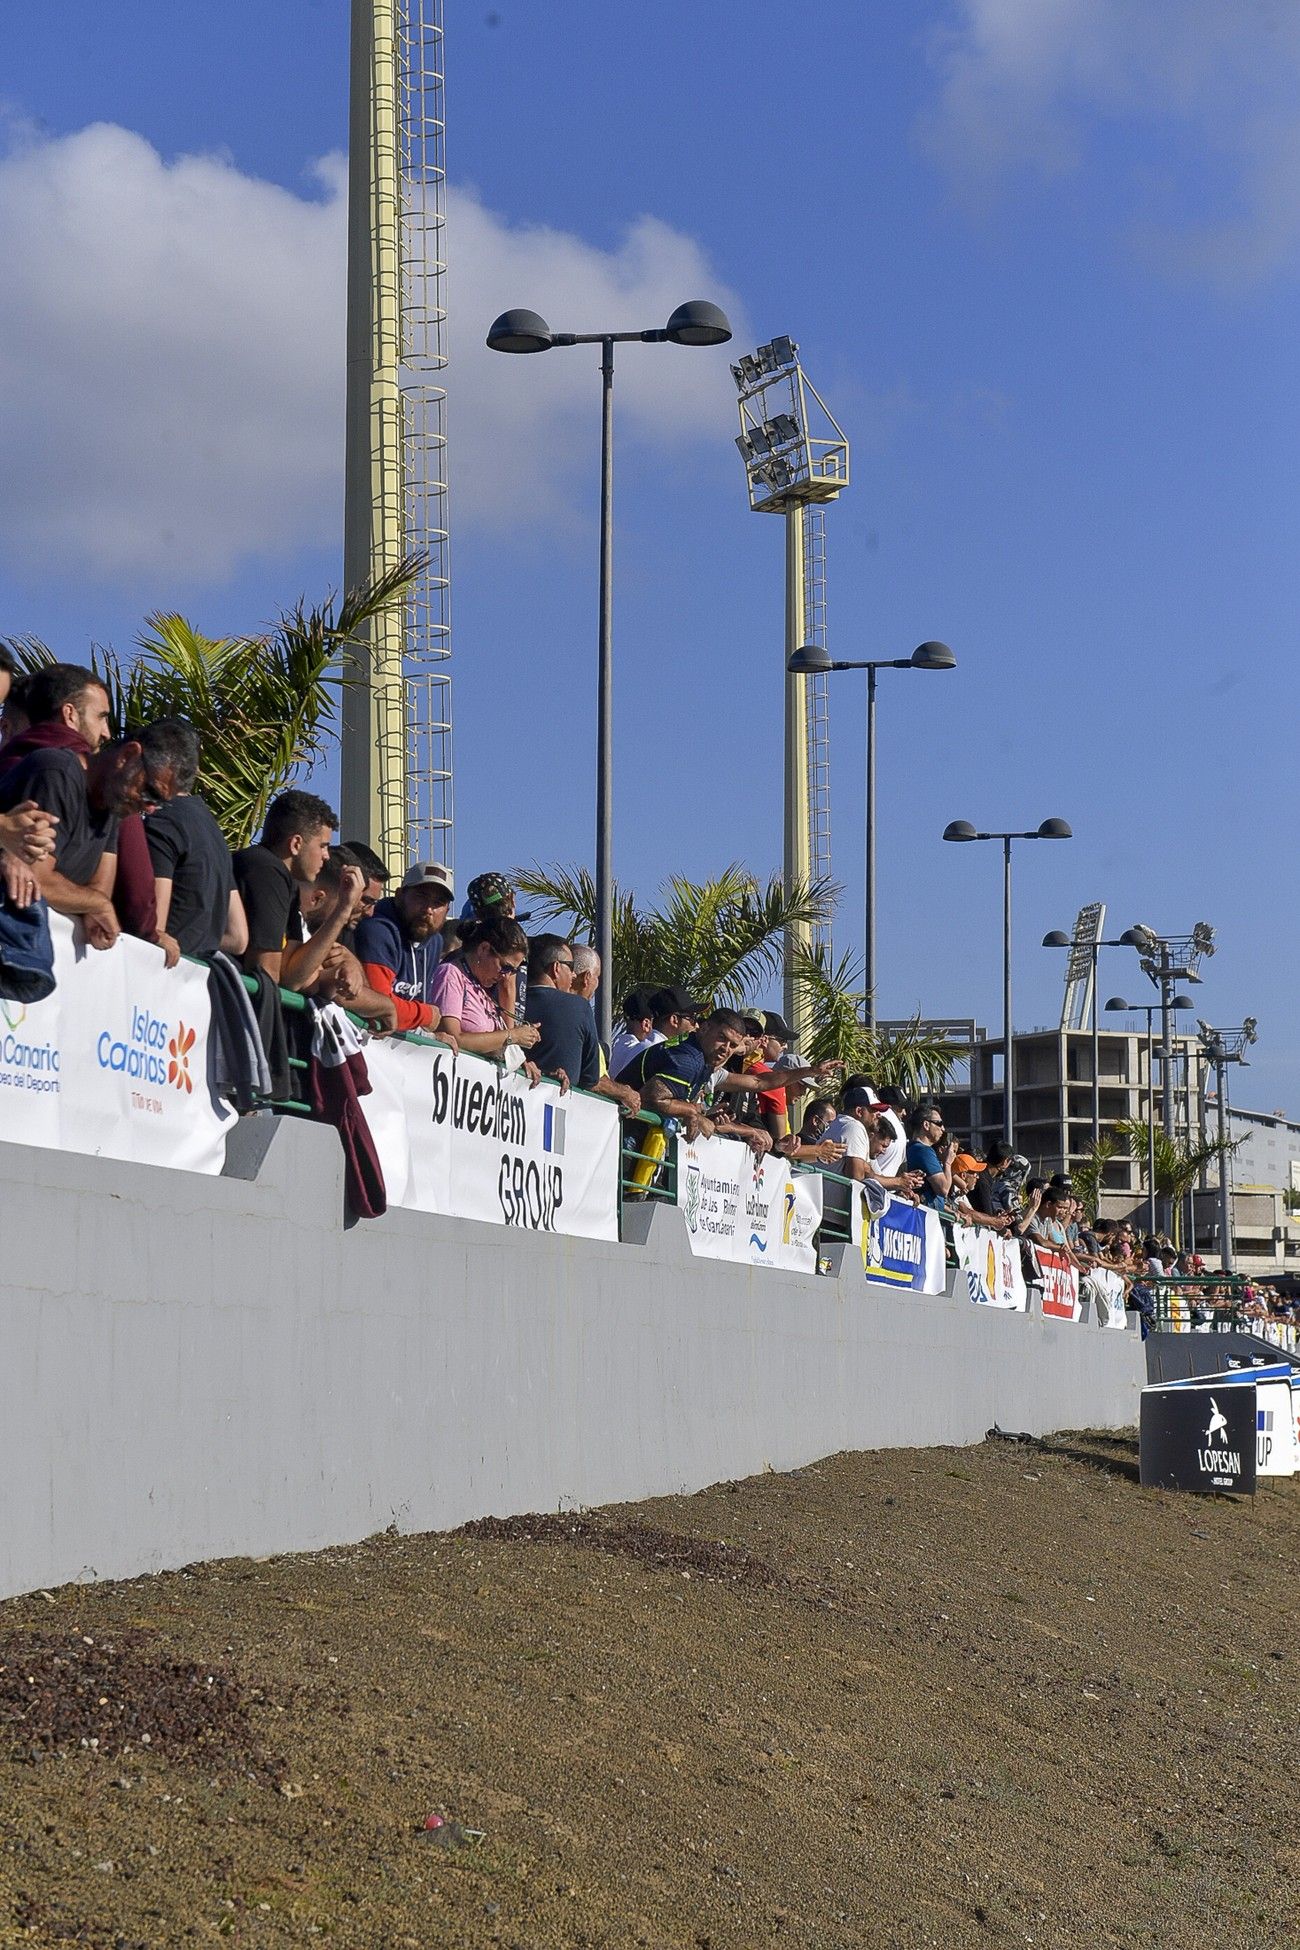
[(195, 1367)]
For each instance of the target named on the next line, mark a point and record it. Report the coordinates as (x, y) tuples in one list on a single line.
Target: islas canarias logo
[(178, 1058)]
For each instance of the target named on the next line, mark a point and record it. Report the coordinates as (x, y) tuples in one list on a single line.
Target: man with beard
[(399, 946)]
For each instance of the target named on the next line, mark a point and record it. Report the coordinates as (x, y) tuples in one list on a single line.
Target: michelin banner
[(115, 1062), (756, 1211), (991, 1266), (901, 1243), (456, 1135)]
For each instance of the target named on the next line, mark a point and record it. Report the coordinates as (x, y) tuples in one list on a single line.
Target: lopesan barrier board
[(1198, 1438)]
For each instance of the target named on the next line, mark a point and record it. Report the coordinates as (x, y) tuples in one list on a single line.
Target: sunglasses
[(512, 967)]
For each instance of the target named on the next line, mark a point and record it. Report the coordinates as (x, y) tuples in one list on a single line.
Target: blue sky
[(1041, 259)]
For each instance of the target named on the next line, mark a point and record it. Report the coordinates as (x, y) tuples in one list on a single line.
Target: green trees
[(264, 706)]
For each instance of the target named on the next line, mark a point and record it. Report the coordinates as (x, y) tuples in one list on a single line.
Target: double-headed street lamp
[(1051, 829), (1056, 939), (1118, 1006), (810, 661), (1224, 1046), (695, 323)]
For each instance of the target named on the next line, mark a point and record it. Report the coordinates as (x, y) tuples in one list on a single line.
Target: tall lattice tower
[(397, 769), (796, 460)]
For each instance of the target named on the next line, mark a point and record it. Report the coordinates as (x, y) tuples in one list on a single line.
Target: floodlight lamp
[(1249, 1029), (763, 358), (1116, 1005), (759, 440), (785, 426), (1054, 829), (738, 374), (932, 656), (1206, 1031), (1182, 1002), (809, 660), (697, 322), (778, 473), (746, 447), (1203, 938), (1145, 938), (520, 331), (784, 350), (1057, 940), (959, 829), (1129, 939)]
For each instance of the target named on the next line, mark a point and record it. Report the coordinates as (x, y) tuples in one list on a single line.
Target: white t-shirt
[(852, 1135), (624, 1048), (890, 1161)]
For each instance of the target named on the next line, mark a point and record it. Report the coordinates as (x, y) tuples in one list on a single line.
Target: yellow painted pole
[(797, 863), (374, 714)]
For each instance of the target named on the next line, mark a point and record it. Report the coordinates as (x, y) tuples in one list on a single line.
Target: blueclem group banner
[(1060, 1285), (456, 1135), (991, 1266), (741, 1208), (901, 1244), (115, 1061)]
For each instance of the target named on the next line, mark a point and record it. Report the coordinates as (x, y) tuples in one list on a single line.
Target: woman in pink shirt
[(464, 989)]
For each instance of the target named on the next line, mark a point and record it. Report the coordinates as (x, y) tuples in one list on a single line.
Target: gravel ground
[(982, 1697)]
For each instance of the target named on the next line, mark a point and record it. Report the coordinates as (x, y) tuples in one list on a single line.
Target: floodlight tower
[(396, 760), (1221, 1047), (796, 460)]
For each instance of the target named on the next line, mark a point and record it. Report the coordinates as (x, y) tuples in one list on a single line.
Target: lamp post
[(810, 661), (1167, 959), (1056, 939), (1221, 1047), (694, 323), (1117, 1006), (961, 830)]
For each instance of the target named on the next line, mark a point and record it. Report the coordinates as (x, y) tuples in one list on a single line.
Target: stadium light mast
[(796, 460), (1221, 1047), (396, 757)]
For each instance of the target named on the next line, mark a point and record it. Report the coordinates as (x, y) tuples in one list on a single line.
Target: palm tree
[(263, 706), (914, 1059), (1087, 1174), (721, 939), (1179, 1162)]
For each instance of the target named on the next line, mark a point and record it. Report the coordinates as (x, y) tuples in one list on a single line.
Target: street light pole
[(812, 660), (605, 702), (694, 323), (1222, 1047), (961, 830), (1117, 1005)]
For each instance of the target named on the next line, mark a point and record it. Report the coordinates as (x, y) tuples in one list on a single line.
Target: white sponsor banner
[(115, 1061), (755, 1211), (1060, 1285), (1106, 1290), (456, 1135), (992, 1269), (1275, 1429)]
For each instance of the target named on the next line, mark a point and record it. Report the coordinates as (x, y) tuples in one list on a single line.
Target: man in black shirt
[(199, 910), (295, 845), (569, 1048)]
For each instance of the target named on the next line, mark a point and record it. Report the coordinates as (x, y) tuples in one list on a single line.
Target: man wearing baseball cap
[(854, 1128), (400, 944), (966, 1170), (771, 1036)]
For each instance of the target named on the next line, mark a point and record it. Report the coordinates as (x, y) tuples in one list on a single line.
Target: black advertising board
[(1198, 1439)]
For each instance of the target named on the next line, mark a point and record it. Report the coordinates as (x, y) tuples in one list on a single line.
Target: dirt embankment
[(944, 1698)]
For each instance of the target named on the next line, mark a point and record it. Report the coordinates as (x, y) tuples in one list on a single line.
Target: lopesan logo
[(1218, 1462)]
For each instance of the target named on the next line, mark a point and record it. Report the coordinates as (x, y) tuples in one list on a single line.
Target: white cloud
[(1025, 82), (172, 356)]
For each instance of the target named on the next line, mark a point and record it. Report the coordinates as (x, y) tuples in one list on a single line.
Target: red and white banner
[(115, 1062), (1060, 1285)]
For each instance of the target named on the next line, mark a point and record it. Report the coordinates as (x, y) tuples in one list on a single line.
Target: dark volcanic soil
[(946, 1697)]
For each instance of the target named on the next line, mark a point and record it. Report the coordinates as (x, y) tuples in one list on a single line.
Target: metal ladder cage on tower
[(817, 705), (427, 645)]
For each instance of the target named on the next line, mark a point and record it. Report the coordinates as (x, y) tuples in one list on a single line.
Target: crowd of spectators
[(111, 832)]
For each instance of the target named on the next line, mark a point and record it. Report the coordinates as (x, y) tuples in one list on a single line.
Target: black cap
[(776, 1025), (676, 1002)]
